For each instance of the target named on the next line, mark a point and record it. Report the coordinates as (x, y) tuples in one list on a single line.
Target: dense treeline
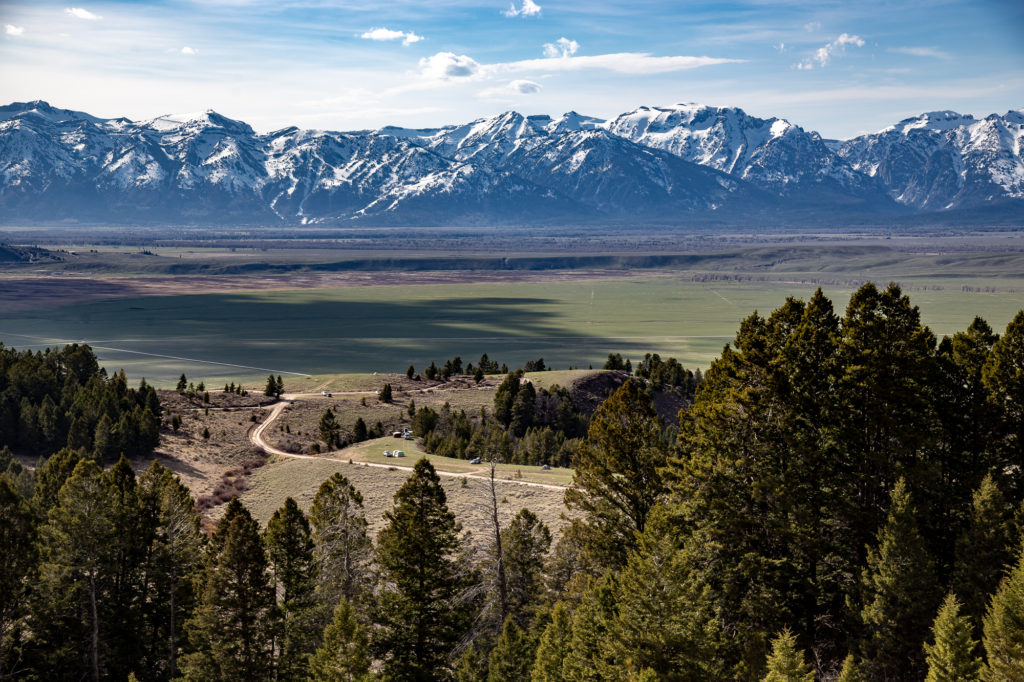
[(834, 480), (843, 502), (527, 426), (61, 398)]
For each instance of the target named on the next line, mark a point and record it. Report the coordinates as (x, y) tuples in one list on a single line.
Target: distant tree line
[(527, 426), (61, 398)]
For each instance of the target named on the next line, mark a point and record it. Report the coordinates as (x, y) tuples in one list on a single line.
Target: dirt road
[(257, 439)]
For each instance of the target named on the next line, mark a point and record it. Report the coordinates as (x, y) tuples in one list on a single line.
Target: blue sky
[(841, 68)]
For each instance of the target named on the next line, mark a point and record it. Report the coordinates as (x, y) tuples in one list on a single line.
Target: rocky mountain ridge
[(657, 164)]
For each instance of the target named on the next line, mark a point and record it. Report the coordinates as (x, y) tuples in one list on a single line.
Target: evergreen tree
[(553, 647), (951, 657), (505, 397), (75, 574), (850, 672), (279, 385), (418, 618), (512, 656), (344, 655), (588, 658), (182, 384), (342, 547), (51, 476), (1004, 628), (900, 589), (385, 394), (472, 666), (330, 430), (17, 560), (234, 625), (124, 619), (522, 412), (616, 480), (525, 544), (290, 548), (1003, 376), (983, 550), (664, 620), (175, 562), (410, 372), (786, 662), (359, 431), (271, 389)]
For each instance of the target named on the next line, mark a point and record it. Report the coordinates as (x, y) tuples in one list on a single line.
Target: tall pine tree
[(234, 625), (419, 618), (617, 477), (290, 548), (786, 662), (950, 657), (900, 593), (344, 655), (1004, 628)]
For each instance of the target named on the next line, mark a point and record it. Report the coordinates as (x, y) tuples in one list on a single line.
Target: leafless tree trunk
[(95, 628), (499, 555)]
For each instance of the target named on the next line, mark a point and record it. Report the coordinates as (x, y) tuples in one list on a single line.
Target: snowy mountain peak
[(57, 164), (936, 121), (199, 120), (1015, 116), (573, 121), (43, 110)]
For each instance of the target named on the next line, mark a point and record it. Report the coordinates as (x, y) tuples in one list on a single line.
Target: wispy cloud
[(932, 52), (189, 50), (82, 13), (445, 66), (812, 26), (12, 30), (511, 89), (823, 55), (528, 9), (387, 34), (563, 47), (631, 63)]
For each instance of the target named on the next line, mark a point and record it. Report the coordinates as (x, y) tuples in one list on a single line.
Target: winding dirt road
[(257, 439)]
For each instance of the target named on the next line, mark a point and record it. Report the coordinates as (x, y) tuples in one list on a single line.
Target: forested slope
[(843, 501)]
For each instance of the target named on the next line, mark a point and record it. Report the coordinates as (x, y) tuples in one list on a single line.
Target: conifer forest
[(842, 498)]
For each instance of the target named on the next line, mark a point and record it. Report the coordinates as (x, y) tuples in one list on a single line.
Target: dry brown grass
[(202, 463), (300, 479)]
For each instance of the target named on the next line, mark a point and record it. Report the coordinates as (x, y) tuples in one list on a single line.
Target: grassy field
[(300, 479), (221, 337)]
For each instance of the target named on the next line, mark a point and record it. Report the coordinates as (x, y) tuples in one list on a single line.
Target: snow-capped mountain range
[(658, 164)]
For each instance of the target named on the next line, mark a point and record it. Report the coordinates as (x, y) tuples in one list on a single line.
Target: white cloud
[(780, 46), (932, 52), (385, 34), (563, 47), (823, 55), (512, 89), (633, 63), (528, 9), (12, 30), (448, 65), (189, 50), (81, 13), (812, 26)]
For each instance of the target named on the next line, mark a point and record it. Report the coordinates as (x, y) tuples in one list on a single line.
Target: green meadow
[(231, 336)]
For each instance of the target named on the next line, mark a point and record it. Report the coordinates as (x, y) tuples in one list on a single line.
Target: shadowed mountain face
[(672, 165)]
